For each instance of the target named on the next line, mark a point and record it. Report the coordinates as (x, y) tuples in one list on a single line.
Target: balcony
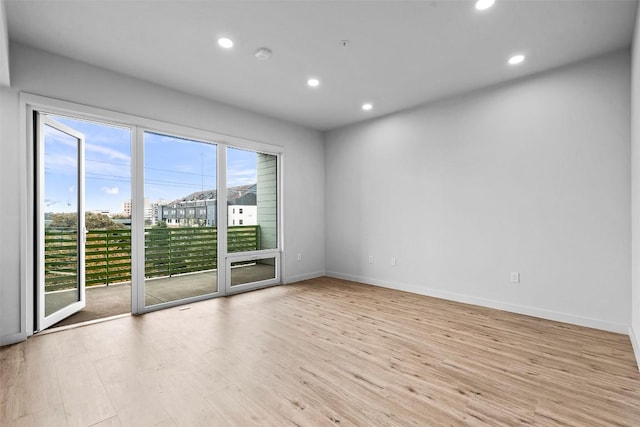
[(179, 263)]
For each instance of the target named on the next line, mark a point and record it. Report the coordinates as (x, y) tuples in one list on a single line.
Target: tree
[(121, 216), (93, 221)]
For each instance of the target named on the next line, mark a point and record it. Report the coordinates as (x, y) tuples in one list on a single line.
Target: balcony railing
[(168, 251)]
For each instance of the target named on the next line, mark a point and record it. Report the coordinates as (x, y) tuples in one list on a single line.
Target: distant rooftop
[(235, 195)]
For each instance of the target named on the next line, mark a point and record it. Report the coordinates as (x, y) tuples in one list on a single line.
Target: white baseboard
[(500, 305), (301, 277), (636, 346)]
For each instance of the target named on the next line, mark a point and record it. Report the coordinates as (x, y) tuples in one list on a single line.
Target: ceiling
[(400, 53)]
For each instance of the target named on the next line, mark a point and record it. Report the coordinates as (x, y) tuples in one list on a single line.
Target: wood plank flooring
[(322, 352)]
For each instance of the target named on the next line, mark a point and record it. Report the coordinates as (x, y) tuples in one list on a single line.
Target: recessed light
[(484, 4), (313, 82), (516, 59), (225, 42), (367, 106)]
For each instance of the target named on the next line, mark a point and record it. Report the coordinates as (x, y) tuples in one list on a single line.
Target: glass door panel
[(252, 219), (61, 223), (252, 199), (107, 174), (251, 271), (180, 197)]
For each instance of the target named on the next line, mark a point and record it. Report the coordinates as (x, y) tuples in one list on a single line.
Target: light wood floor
[(322, 352)]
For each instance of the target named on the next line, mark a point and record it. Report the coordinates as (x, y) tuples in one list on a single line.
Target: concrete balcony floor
[(112, 300)]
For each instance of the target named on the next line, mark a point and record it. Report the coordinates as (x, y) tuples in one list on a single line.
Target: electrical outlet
[(515, 277), (370, 259), (299, 257), (394, 262)]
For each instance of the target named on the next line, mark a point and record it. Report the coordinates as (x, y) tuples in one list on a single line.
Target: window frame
[(138, 125)]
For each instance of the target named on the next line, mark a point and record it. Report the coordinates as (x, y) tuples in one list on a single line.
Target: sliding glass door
[(180, 219), (184, 213)]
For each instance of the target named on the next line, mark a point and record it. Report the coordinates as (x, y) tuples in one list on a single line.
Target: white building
[(125, 208), (148, 210), (242, 215)]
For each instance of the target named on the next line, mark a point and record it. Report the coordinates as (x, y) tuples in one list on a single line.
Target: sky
[(174, 167)]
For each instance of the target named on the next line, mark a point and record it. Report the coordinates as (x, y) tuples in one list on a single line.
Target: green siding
[(267, 200)]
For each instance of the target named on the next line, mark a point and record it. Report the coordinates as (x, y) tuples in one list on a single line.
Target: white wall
[(11, 311), (4, 47), (635, 190), (49, 75), (530, 177)]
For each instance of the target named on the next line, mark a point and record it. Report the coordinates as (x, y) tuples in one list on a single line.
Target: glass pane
[(252, 271), (180, 218), (61, 285), (252, 199), (107, 173)]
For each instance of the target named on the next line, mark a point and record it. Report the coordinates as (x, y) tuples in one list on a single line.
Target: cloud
[(61, 139), (245, 172), (59, 136), (110, 190), (241, 177), (108, 152), (60, 163)]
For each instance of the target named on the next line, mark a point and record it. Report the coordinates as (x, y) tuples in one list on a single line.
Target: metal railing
[(168, 251)]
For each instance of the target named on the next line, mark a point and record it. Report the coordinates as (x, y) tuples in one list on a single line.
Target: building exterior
[(199, 209), (242, 206), (242, 215), (156, 206), (149, 217), (148, 212), (188, 213), (125, 208)]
